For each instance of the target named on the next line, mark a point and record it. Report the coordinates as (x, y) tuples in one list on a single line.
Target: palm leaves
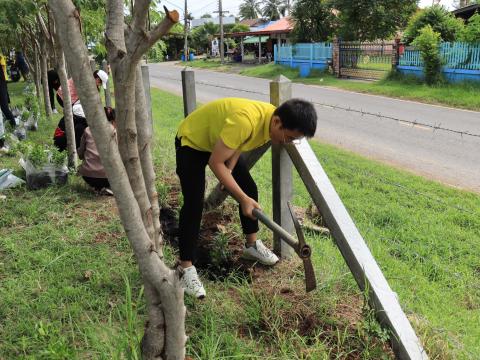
[(270, 9)]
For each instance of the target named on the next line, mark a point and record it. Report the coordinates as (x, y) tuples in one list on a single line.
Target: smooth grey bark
[(54, 43), (43, 72), (67, 105), (162, 288)]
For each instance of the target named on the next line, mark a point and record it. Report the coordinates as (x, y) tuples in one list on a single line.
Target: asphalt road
[(415, 142)]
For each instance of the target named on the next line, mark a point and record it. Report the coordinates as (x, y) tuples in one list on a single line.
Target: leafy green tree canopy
[(471, 32), (372, 19), (249, 9), (274, 9), (314, 20), (441, 21)]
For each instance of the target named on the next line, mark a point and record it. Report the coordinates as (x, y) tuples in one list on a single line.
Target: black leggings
[(97, 183), (191, 165), (4, 100)]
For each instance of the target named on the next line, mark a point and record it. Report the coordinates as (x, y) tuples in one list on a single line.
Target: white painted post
[(282, 176), (108, 96), (188, 88), (146, 90)]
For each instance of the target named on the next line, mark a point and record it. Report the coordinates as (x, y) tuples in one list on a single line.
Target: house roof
[(466, 12), (252, 22), (282, 26)]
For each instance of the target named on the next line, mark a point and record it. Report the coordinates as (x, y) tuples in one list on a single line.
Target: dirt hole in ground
[(219, 248)]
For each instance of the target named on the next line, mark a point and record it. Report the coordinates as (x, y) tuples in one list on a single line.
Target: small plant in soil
[(44, 166)]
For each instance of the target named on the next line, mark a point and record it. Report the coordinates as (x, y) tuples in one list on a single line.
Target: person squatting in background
[(91, 168)]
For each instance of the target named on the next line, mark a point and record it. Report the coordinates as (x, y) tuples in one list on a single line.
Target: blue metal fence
[(455, 55), (460, 61), (315, 55)]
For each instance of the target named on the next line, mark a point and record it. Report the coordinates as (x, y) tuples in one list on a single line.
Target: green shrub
[(471, 32), (157, 52), (441, 21), (428, 42)]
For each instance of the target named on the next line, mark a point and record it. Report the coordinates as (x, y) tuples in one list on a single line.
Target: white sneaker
[(191, 283), (260, 253), (55, 111), (4, 149)]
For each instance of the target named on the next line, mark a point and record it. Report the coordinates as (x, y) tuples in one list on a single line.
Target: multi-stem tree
[(127, 157)]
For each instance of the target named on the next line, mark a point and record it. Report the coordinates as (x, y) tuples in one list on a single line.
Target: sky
[(200, 7)]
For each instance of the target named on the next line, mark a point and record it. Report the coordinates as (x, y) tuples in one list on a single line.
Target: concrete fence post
[(282, 174), (146, 90), (336, 57), (108, 95), (396, 54), (93, 65), (188, 89)]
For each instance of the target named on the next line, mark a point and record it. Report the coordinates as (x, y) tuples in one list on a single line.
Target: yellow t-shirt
[(242, 124)]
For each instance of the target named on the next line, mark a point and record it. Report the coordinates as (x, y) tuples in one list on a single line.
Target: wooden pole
[(282, 176)]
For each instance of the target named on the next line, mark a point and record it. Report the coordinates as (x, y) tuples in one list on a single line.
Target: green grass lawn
[(70, 286)]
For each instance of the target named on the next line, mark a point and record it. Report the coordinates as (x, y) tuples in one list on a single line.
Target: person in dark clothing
[(53, 84), (79, 125), (5, 100), (22, 65), (60, 135)]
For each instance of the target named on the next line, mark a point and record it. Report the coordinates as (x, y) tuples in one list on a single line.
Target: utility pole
[(220, 14), (185, 31)]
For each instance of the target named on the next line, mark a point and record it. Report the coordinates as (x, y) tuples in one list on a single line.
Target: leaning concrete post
[(108, 96), (282, 176), (188, 88), (148, 97)]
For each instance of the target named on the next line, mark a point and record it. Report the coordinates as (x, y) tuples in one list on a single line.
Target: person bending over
[(215, 135), (91, 168)]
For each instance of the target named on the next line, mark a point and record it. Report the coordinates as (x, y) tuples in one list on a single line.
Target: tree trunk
[(37, 75), (43, 72), (67, 105), (165, 331), (59, 57)]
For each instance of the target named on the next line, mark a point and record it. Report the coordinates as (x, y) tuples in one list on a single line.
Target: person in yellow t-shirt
[(215, 135), (3, 64)]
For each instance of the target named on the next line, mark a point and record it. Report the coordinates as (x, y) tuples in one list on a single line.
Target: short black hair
[(298, 114), (95, 74), (110, 113)]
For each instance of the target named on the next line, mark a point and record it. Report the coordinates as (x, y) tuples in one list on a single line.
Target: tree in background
[(440, 19), (274, 9), (471, 32), (250, 9), (372, 19), (428, 42), (314, 20)]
